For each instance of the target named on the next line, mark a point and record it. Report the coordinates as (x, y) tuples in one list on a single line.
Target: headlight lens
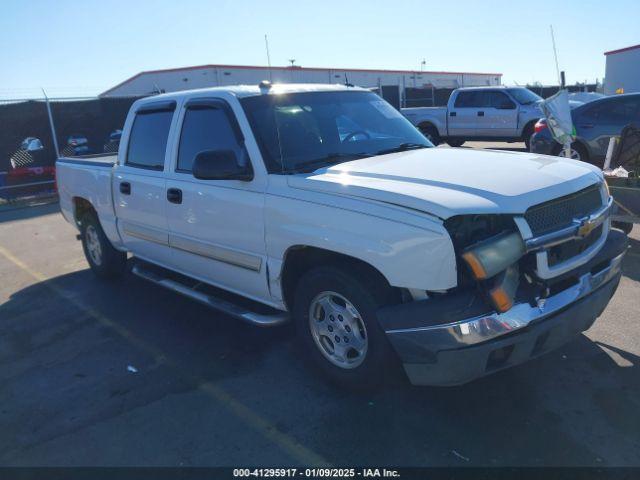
[(492, 256)]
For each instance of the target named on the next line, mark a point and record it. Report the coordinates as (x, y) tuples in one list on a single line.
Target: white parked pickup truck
[(480, 113), (323, 205)]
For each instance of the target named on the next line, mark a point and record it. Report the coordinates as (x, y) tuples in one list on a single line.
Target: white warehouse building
[(187, 78), (622, 71)]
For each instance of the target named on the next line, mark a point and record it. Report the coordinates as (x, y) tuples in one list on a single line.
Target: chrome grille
[(560, 212), (566, 251)]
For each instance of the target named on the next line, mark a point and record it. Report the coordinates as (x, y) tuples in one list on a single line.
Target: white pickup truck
[(480, 113), (322, 204)]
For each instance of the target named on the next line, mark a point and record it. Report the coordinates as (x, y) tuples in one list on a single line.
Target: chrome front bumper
[(460, 351), (483, 328)]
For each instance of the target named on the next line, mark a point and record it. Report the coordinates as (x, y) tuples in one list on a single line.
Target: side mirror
[(506, 106), (220, 165)]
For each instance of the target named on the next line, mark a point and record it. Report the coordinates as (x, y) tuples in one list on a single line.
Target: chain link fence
[(27, 150)]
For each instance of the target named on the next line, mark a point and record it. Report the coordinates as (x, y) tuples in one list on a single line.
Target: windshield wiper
[(403, 147), (327, 160)]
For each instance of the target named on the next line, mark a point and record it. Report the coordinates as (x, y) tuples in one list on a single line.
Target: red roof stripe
[(620, 50), (296, 68)]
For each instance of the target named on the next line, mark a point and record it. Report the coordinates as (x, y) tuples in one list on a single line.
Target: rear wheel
[(335, 316), (578, 152), (104, 260), (431, 133), (455, 143)]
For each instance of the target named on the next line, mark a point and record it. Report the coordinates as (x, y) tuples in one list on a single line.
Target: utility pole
[(53, 128), (292, 61)]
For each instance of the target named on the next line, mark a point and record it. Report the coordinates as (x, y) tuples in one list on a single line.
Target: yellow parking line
[(244, 413)]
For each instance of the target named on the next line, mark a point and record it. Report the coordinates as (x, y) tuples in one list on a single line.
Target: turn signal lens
[(503, 293), (501, 300), (475, 265)]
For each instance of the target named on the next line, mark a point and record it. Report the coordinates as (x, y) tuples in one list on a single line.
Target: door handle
[(481, 114), (452, 114), (174, 195), (125, 188), (586, 125)]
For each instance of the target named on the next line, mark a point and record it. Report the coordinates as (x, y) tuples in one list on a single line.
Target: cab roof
[(242, 91)]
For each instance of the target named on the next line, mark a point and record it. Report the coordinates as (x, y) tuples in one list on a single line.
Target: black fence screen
[(27, 152)]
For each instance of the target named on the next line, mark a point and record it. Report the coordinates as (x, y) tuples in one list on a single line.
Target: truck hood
[(452, 181)]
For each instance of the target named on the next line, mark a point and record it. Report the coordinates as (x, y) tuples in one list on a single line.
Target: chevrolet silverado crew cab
[(323, 205), (480, 113)]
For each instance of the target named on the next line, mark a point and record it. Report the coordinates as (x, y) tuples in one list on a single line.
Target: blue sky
[(85, 47)]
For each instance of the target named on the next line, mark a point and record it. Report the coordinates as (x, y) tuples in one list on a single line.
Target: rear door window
[(470, 99), (148, 139)]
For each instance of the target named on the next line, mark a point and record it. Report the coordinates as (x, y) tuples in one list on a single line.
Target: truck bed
[(436, 116), (88, 178), (96, 159)]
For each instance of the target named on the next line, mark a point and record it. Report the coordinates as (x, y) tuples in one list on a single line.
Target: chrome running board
[(224, 306)]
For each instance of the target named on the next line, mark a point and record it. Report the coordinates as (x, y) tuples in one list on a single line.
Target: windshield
[(302, 132), (524, 96)]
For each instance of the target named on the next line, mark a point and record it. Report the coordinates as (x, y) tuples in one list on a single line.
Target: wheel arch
[(299, 259), (426, 124), (529, 126), (82, 206), (430, 123)]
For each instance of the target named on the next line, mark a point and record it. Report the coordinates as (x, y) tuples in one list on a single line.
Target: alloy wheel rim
[(338, 330), (575, 155), (93, 245)]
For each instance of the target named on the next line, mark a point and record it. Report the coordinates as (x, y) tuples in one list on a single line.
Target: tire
[(105, 261), (526, 136), (431, 133), (578, 152), (364, 367), (626, 227), (455, 143)]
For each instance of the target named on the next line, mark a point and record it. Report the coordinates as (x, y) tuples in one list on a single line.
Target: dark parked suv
[(595, 122)]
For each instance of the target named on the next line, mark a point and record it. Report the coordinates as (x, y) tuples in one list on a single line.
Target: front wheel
[(104, 260), (335, 316), (455, 143)]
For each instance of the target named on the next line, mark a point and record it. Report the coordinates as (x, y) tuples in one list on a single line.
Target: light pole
[(292, 61)]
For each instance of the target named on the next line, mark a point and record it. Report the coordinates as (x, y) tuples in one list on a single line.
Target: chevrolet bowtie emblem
[(586, 227)]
